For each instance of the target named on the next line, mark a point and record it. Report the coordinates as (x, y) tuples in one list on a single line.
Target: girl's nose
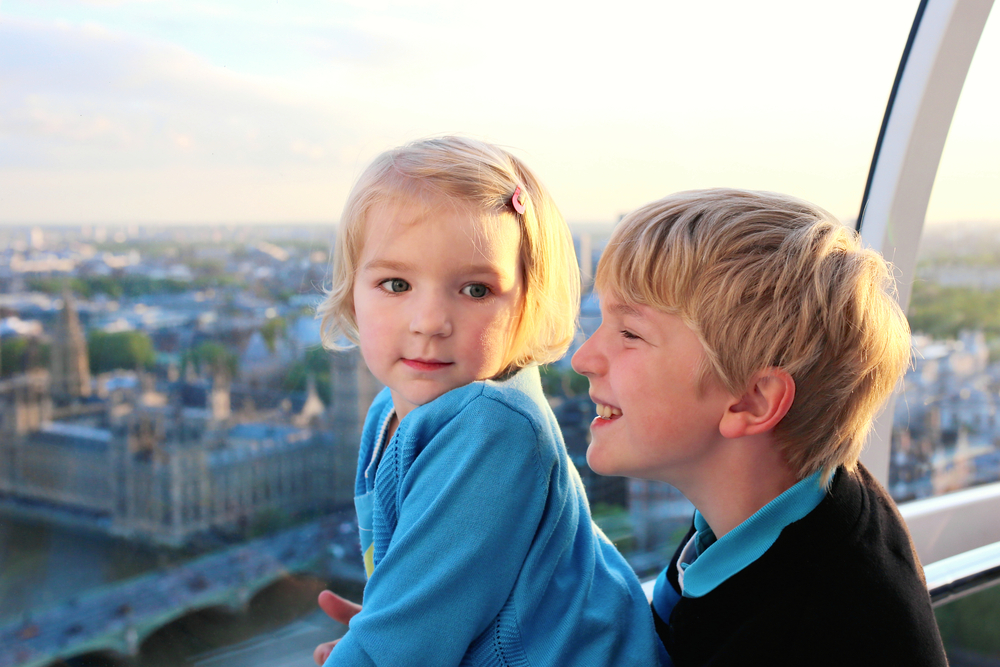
[(431, 317)]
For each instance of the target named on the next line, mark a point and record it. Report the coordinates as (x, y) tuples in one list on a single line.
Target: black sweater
[(842, 586)]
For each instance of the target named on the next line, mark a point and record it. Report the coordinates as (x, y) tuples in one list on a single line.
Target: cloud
[(246, 109), (77, 95)]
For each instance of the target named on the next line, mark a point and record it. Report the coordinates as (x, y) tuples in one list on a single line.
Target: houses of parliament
[(167, 460)]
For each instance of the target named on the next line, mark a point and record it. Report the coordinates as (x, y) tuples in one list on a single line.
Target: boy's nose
[(585, 359)]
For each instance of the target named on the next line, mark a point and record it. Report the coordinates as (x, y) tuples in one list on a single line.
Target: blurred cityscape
[(173, 438), (946, 431)]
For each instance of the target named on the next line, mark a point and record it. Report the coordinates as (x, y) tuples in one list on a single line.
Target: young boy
[(747, 341)]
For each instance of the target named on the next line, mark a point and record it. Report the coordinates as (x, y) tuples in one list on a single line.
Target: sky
[(149, 111)]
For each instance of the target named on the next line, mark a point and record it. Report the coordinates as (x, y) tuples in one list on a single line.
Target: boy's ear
[(761, 407)]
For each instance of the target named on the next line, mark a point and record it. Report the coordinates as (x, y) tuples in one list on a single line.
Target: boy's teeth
[(607, 412)]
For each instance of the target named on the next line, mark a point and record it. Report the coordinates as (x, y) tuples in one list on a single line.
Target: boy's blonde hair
[(467, 172), (766, 280)]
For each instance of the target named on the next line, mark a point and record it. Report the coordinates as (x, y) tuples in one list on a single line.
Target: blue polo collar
[(712, 561)]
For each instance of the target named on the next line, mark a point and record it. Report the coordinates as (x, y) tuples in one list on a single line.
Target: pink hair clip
[(518, 200)]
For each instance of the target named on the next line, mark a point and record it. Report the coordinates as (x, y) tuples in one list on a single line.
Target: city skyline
[(141, 493), (155, 112)]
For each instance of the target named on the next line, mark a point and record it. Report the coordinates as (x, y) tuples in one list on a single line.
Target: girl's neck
[(390, 430)]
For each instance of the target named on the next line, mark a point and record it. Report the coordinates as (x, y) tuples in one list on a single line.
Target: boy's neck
[(732, 488)]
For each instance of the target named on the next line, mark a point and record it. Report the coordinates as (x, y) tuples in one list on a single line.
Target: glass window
[(968, 628), (945, 431), (176, 453)]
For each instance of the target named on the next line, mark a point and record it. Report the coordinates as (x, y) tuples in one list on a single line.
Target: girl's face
[(437, 299)]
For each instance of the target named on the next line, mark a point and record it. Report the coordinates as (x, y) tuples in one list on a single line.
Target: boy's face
[(436, 300), (643, 366)]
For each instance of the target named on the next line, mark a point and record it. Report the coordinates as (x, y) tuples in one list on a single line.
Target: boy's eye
[(476, 290), (629, 335), (395, 285)]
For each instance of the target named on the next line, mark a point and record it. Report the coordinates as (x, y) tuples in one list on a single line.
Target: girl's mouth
[(426, 364), (607, 412)]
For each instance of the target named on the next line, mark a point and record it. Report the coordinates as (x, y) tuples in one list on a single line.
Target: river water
[(41, 564)]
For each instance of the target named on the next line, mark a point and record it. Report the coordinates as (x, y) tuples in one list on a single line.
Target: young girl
[(456, 276)]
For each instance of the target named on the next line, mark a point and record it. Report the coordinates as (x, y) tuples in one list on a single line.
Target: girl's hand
[(338, 609)]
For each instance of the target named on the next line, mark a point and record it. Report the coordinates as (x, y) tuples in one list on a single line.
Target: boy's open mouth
[(607, 412)]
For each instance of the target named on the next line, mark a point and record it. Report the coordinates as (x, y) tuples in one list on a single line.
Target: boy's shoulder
[(841, 586), (858, 533), (867, 584), (856, 538)]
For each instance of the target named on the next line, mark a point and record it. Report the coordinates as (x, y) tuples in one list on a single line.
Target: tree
[(317, 363), (943, 312), (17, 354), (128, 350), (209, 357), (563, 382), (273, 328)]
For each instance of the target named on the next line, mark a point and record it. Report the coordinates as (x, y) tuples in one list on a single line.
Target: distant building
[(946, 430), (312, 408), (63, 464), (174, 479), (166, 467), (262, 361), (656, 509), (353, 388), (25, 404), (70, 365)]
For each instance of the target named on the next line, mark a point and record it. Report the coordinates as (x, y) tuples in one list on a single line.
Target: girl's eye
[(395, 285), (629, 335), (476, 290)]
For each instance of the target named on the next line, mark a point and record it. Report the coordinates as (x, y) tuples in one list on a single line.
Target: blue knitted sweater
[(483, 548)]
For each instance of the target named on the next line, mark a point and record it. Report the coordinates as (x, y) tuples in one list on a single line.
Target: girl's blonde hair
[(766, 280), (473, 173)]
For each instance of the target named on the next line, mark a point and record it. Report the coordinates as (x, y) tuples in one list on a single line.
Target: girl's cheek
[(494, 342)]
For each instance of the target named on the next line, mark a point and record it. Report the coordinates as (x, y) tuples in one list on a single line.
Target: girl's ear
[(761, 407)]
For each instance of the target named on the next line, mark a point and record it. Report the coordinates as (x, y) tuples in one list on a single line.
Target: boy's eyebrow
[(625, 309)]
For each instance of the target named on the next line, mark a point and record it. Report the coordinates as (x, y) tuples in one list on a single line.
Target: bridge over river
[(117, 618)]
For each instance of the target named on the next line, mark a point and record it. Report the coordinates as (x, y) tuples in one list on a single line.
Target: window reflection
[(177, 454), (946, 428), (970, 628)]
